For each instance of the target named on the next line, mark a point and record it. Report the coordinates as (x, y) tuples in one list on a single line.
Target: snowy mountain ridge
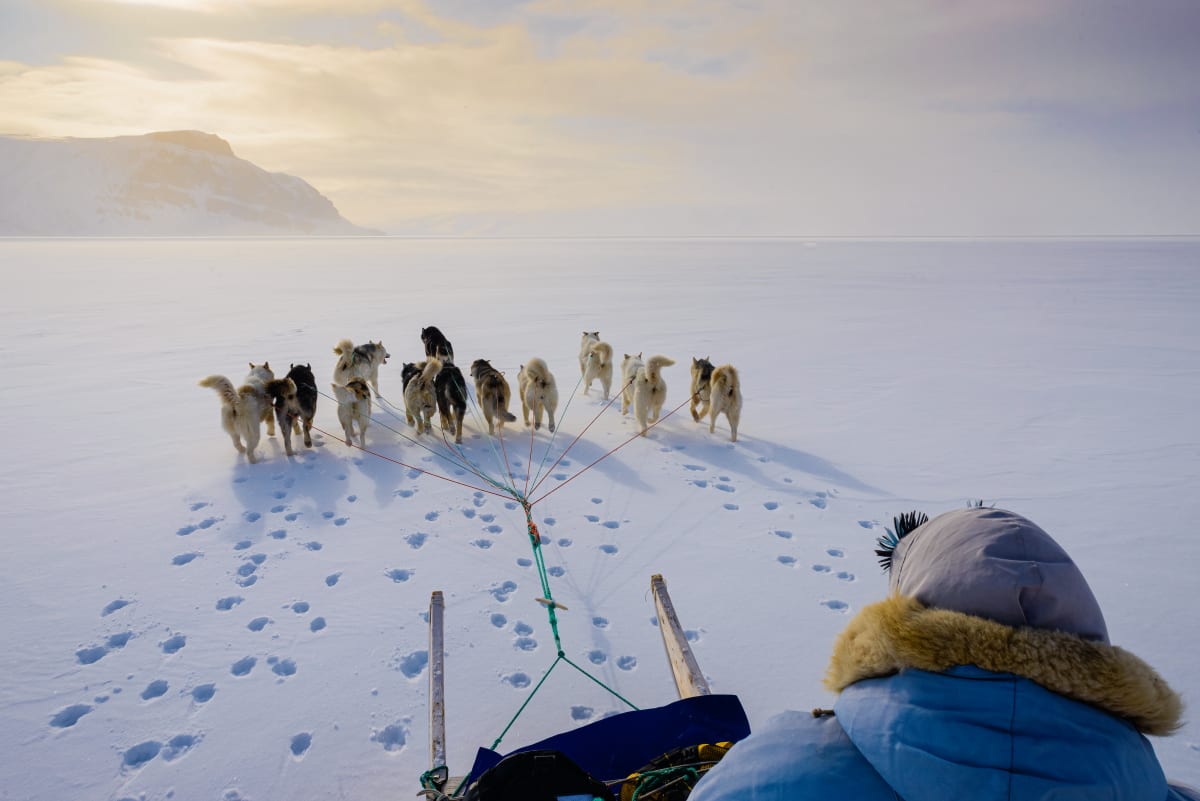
[(171, 183)]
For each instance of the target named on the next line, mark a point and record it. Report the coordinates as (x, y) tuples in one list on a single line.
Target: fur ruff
[(898, 633)]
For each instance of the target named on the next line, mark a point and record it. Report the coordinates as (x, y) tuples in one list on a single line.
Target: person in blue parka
[(986, 674)]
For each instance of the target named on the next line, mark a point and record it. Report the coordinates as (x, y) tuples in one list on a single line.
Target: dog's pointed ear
[(266, 365)]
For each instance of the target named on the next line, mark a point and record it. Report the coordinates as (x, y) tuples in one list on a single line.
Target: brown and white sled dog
[(599, 365), (419, 399), (585, 348), (243, 408), (629, 368), (354, 406), (725, 397), (493, 392), (649, 391), (538, 392), (362, 361)]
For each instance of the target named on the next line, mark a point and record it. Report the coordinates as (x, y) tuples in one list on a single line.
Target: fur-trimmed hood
[(898, 633)]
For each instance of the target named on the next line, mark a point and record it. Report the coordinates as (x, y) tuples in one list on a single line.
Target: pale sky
[(632, 117)]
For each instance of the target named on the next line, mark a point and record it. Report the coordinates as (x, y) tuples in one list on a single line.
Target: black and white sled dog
[(451, 391), (436, 345), (354, 407), (649, 391), (629, 369), (493, 392), (539, 392), (295, 406), (598, 366), (244, 408), (362, 361), (419, 400)]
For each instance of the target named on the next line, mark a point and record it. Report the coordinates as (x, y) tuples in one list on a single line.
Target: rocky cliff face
[(176, 183)]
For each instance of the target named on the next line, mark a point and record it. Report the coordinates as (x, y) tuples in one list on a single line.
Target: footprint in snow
[(787, 535), (249, 517), (399, 575), (300, 744), (292, 517), (787, 560), (120, 603), (699, 482), (581, 713), (837, 553), (258, 623), (867, 523), (318, 624), (300, 607), (517, 680), (416, 540), (468, 513), (611, 524), (597, 500), (332, 579), (732, 507), (836, 606), (501, 592), (178, 745), (770, 506), (155, 689), (67, 717), (405, 493), (140, 754), (524, 562), (549, 521), (313, 546), (281, 667), (725, 487), (277, 509), (627, 662), (196, 507), (608, 549), (694, 467), (600, 622), (242, 545), (592, 518), (225, 604), (482, 544), (392, 738), (431, 516), (498, 620), (821, 568), (184, 558), (341, 521), (597, 657), (564, 542), (173, 644), (556, 571), (525, 644), (819, 503), (203, 693), (844, 576), (494, 529), (243, 666)]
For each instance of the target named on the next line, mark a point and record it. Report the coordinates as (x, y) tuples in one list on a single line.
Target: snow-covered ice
[(177, 623)]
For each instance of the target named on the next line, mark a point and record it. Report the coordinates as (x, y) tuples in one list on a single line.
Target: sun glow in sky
[(676, 117)]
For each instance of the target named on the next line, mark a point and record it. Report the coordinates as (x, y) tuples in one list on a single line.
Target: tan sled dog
[(725, 398), (538, 392), (492, 391), (419, 399), (599, 365), (242, 411), (354, 406), (629, 369), (649, 391), (585, 347)]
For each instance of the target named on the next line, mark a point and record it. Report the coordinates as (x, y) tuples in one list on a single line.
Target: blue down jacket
[(965, 733), (987, 674)]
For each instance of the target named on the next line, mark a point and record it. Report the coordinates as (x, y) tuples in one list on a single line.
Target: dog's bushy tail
[(345, 349), (224, 388), (430, 371), (655, 364), (725, 380), (602, 351)]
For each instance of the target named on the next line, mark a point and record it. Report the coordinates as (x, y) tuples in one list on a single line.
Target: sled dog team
[(436, 383)]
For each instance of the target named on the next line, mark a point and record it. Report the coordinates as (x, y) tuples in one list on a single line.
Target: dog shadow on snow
[(763, 462)]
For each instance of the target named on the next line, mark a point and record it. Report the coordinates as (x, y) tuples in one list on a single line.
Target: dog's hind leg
[(308, 432)]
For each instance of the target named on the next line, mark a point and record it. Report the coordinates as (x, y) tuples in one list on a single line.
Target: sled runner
[(653, 754)]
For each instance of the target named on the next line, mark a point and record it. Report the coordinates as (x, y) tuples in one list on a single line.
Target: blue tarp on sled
[(614, 747)]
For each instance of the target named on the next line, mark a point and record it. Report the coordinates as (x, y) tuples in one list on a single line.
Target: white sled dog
[(725, 397), (354, 406), (599, 365), (649, 391), (419, 399), (585, 348), (538, 391), (260, 375), (362, 361), (244, 408), (492, 392), (629, 368)]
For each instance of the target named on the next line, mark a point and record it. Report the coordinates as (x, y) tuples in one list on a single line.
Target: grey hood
[(995, 564)]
